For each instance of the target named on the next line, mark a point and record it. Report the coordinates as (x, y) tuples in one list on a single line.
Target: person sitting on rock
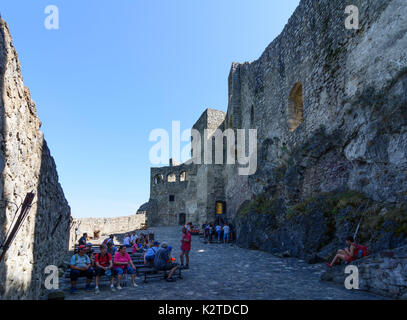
[(103, 265), (347, 254), (123, 263), (161, 262), (109, 240), (81, 267), (83, 239)]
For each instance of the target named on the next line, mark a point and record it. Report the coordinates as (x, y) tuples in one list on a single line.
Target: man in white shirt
[(126, 241), (133, 238)]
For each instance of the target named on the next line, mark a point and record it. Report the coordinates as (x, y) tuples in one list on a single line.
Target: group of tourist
[(85, 263), (222, 231), (111, 262), (133, 240)]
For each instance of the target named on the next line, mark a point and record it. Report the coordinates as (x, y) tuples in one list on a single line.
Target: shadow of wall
[(52, 222)]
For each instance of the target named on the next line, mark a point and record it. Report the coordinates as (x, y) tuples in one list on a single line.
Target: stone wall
[(353, 85), (183, 194), (347, 91), (27, 165), (106, 226)]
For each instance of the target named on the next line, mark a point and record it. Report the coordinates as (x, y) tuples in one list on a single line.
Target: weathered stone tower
[(27, 166), (188, 191)]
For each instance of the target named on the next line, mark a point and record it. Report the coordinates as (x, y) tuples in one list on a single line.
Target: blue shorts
[(226, 236), (119, 271)]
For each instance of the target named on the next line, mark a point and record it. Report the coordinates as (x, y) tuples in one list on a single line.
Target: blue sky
[(116, 70)]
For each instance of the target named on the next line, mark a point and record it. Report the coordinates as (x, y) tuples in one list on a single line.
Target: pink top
[(118, 257)]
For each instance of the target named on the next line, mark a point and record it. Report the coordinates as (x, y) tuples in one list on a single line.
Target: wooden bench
[(150, 272), (103, 279)]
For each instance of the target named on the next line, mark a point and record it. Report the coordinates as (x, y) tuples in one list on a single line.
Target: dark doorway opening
[(182, 219)]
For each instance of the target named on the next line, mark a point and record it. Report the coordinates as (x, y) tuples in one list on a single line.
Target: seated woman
[(145, 241), (111, 248), (137, 247), (347, 254), (122, 263)]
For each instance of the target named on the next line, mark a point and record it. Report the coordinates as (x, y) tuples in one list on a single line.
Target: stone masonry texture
[(27, 165)]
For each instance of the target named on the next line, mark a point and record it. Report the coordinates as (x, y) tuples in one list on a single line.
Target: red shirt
[(186, 246), (103, 261)]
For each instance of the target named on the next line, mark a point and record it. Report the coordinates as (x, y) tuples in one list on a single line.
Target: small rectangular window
[(172, 198)]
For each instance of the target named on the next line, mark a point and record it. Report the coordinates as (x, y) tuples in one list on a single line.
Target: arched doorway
[(182, 219)]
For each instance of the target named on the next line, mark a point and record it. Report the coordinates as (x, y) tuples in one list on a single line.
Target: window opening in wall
[(295, 107)]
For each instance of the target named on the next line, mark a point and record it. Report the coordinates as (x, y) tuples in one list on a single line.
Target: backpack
[(360, 251), (107, 253)]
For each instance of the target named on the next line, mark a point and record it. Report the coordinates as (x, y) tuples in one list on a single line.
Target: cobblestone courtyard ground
[(222, 272)]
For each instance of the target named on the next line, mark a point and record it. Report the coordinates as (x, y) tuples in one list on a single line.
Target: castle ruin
[(329, 105), (188, 192)]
